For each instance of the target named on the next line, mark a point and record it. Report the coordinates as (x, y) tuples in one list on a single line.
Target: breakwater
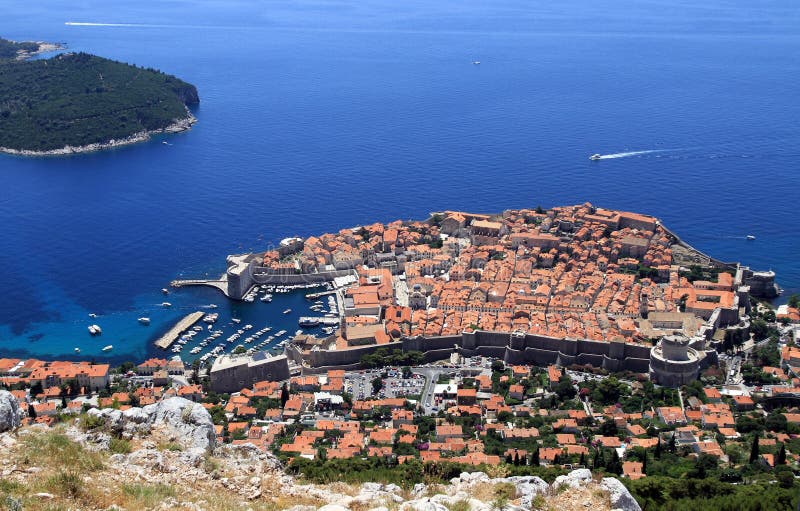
[(184, 324)]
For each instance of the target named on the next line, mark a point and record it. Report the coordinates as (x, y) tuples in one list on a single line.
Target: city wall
[(516, 348)]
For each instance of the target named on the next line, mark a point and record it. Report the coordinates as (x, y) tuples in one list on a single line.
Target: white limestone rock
[(528, 487), (9, 411), (333, 507), (574, 479), (422, 505), (621, 498), (189, 420)]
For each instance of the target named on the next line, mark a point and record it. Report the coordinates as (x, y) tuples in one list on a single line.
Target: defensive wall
[(514, 348)]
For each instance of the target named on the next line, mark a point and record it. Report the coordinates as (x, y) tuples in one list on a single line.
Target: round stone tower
[(673, 363)]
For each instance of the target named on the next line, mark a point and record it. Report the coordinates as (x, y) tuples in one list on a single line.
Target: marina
[(252, 325), (184, 324)]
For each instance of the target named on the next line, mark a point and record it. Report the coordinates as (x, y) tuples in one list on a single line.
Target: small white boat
[(77, 350), (750, 237), (165, 290), (166, 304), (476, 62), (212, 306), (287, 311), (108, 348), (144, 321), (95, 330), (595, 157), (236, 320), (92, 315)]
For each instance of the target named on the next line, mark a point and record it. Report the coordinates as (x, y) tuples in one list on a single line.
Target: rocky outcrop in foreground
[(9, 411), (169, 460), (181, 420)]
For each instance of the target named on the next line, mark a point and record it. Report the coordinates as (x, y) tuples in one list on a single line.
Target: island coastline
[(75, 70), (178, 126), (43, 47)]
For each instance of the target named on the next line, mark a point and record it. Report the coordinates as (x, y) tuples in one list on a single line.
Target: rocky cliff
[(9, 411), (164, 456)]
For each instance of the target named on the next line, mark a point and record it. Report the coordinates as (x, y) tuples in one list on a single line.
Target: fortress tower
[(673, 363)]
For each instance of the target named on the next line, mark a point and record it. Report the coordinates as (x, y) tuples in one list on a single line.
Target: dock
[(314, 321), (312, 296), (186, 323)]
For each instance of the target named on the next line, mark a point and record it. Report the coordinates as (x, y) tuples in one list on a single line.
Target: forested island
[(77, 102)]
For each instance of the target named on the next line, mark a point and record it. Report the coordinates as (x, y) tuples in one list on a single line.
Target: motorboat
[(108, 348), (95, 330), (166, 304), (144, 321), (287, 311), (77, 350), (750, 237), (92, 315), (595, 157)]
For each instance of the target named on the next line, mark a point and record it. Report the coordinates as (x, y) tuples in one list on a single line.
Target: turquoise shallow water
[(318, 115)]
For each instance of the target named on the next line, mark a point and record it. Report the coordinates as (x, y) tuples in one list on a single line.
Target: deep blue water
[(318, 115)]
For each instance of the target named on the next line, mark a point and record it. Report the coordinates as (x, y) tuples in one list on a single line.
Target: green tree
[(608, 428), (780, 459), (565, 389), (284, 394), (754, 451), (776, 421), (614, 465)]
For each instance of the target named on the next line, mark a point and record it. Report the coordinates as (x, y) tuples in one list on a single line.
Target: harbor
[(261, 322), (184, 324)]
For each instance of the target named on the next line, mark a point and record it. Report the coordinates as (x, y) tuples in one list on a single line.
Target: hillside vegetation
[(10, 49), (77, 99)]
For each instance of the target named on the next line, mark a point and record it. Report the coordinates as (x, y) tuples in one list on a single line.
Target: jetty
[(312, 296), (220, 283), (184, 324), (314, 321)]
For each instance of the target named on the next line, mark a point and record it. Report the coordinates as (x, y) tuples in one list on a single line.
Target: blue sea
[(317, 115)]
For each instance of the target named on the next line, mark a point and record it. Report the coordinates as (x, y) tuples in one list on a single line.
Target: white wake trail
[(129, 25), (629, 153)]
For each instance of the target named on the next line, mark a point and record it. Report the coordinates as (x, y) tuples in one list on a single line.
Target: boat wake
[(129, 25), (628, 154)]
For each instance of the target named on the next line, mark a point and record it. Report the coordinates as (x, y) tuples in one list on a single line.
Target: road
[(431, 375)]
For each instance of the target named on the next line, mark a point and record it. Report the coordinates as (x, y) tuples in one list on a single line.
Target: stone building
[(673, 363), (232, 373)]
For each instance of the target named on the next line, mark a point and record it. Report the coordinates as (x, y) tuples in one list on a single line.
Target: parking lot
[(359, 384)]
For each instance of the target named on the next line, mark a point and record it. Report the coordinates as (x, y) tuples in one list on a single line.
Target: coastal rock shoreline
[(44, 47), (180, 125)]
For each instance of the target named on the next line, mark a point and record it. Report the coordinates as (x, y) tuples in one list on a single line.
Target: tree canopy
[(79, 99)]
